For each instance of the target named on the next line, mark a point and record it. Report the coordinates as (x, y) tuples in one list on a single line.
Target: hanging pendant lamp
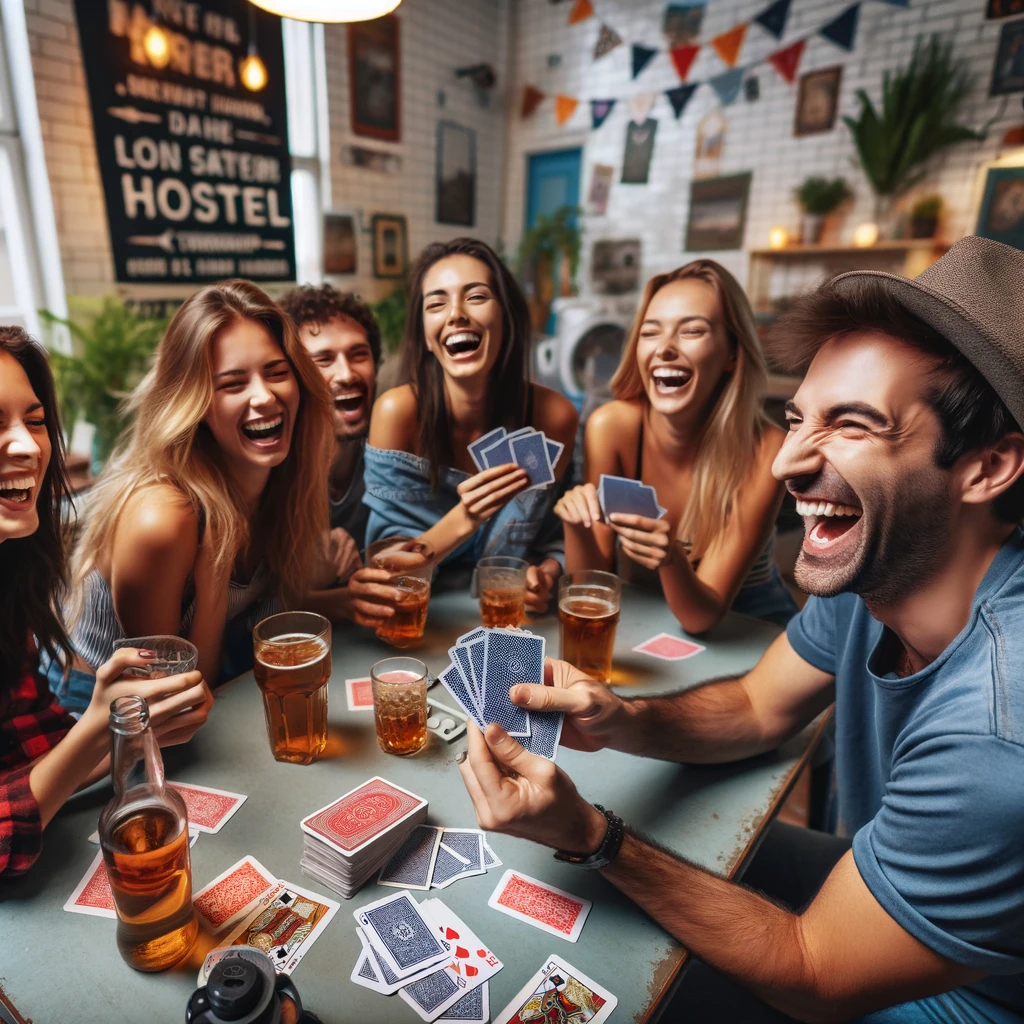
[(329, 11)]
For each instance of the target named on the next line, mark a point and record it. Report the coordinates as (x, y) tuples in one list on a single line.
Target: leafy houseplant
[(916, 120), (552, 243), (819, 197), (390, 315), (112, 349), (924, 217)]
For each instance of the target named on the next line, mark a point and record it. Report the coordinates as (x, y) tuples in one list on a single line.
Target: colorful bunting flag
[(599, 110), (607, 40), (565, 107), (773, 19), (727, 85), (897, 3), (788, 60), (729, 44), (641, 57), (640, 106), (843, 29), (532, 98), (581, 10), (683, 57), (680, 96)]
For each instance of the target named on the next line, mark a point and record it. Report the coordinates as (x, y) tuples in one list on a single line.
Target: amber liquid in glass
[(588, 634), (150, 872), (292, 674), (400, 712), (409, 620), (504, 607)]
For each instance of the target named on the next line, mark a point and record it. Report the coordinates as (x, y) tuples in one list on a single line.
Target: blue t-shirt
[(930, 775)]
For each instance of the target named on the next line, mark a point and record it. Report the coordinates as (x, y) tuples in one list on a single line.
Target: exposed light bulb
[(253, 72), (157, 45), (865, 235), (330, 11), (778, 238)]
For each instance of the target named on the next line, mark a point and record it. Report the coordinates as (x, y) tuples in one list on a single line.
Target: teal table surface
[(59, 968)]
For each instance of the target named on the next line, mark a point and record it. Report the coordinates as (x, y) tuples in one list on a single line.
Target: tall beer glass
[(292, 667), (588, 612), (400, 705), (502, 584)]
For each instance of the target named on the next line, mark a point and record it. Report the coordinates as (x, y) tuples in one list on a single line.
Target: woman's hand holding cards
[(647, 541), (579, 506), (486, 493)]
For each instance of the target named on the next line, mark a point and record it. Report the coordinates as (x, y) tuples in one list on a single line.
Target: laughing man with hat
[(906, 458)]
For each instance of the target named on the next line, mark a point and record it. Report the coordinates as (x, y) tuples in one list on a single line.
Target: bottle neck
[(135, 755)]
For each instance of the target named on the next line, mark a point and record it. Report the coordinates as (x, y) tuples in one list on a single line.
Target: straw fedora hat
[(974, 297)]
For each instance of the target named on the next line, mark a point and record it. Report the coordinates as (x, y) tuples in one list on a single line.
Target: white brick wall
[(760, 134)]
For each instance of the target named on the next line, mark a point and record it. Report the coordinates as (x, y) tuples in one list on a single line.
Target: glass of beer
[(588, 612), (400, 705), (403, 556), (292, 667), (502, 584), (405, 627)]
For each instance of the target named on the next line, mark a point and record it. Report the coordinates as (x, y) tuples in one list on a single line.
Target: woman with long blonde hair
[(211, 511), (687, 419)]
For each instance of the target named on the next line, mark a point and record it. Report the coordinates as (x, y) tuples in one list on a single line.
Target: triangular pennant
[(606, 41), (532, 98), (641, 58), (640, 106), (897, 3), (581, 10), (842, 30), (680, 96), (727, 85), (565, 107), (599, 110), (729, 44), (683, 57), (788, 60), (773, 19)]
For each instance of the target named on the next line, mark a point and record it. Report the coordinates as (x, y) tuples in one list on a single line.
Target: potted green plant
[(818, 197), (111, 351), (916, 120), (924, 217), (550, 247)]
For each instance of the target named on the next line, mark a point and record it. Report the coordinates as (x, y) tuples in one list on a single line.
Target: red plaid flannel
[(31, 724)]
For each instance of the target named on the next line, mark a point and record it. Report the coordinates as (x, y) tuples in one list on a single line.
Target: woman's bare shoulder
[(157, 518), (393, 423), (554, 414), (615, 420)]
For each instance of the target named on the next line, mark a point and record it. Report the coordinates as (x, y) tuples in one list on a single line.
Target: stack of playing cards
[(620, 494), (426, 954), (527, 448), (350, 839), (486, 663), (433, 857)]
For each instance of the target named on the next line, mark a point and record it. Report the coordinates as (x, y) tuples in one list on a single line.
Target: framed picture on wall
[(374, 78), (341, 243), (455, 187), (1001, 216), (718, 212), (817, 101), (1008, 69), (390, 245)]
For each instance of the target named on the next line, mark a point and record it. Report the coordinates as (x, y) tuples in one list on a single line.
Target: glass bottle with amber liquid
[(144, 837)]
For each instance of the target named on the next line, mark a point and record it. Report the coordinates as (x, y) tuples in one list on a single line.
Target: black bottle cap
[(234, 989)]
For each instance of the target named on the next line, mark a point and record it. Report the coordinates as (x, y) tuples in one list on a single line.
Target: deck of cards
[(630, 497), (527, 448), (426, 954), (433, 857), (485, 664), (354, 836)]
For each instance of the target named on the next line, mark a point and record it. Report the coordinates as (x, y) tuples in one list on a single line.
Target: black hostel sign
[(195, 166)]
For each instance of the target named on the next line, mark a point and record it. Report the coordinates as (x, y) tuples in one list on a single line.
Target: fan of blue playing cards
[(527, 448), (485, 664), (631, 497)]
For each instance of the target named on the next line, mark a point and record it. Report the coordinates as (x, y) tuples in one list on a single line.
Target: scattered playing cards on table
[(352, 838), (620, 494), (669, 648), (544, 906), (528, 448), (485, 664), (208, 809), (559, 992), (233, 895), (92, 895)]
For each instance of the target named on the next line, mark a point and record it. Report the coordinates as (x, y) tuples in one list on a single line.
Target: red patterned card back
[(556, 911), (362, 815)]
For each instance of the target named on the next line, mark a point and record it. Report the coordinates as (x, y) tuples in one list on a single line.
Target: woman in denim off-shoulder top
[(464, 355)]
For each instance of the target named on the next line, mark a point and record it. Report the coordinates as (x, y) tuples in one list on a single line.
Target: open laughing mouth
[(669, 379), (351, 402), (832, 523), (462, 344), (17, 493), (264, 433)]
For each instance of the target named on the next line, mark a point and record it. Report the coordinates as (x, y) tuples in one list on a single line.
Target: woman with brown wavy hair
[(45, 755), (688, 419), (211, 510)]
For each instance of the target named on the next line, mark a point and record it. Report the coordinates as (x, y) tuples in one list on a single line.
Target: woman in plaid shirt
[(45, 754)]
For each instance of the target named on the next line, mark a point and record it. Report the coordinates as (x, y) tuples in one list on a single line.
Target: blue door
[(552, 181)]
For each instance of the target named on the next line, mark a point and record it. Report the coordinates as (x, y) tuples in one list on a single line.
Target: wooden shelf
[(807, 251)]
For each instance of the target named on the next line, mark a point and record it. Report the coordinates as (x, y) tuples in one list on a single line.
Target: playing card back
[(510, 657)]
